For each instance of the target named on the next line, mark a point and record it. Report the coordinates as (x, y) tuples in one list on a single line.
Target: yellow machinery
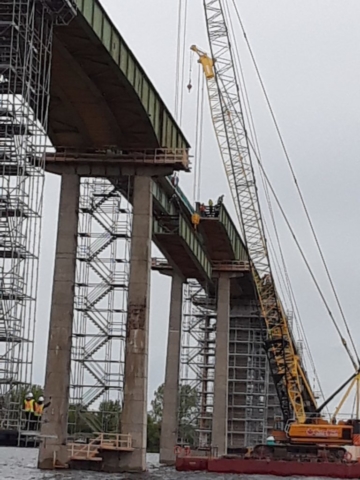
[(304, 431)]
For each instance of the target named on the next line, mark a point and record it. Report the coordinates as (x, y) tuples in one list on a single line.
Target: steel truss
[(99, 333), (26, 30)]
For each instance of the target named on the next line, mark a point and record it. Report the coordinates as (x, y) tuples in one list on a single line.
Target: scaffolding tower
[(197, 367), (26, 30), (99, 335), (252, 401)]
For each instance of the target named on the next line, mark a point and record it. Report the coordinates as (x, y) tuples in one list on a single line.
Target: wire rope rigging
[(296, 183)]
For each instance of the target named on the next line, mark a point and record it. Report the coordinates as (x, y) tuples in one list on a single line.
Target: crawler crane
[(306, 434)]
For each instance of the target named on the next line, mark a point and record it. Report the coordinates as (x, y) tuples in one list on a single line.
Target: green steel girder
[(187, 233), (166, 130), (234, 237)]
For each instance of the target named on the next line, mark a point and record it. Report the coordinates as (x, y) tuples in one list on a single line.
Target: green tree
[(188, 403), (153, 435), (79, 420), (188, 413), (157, 404), (109, 415), (18, 394)]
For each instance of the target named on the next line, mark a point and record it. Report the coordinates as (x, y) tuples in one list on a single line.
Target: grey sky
[(309, 56)]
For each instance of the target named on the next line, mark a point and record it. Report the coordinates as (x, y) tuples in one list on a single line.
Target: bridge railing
[(162, 156), (115, 441)]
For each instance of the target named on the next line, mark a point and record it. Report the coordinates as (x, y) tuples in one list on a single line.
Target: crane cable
[(199, 136), (180, 59), (296, 183), (305, 260), (250, 143), (286, 281)]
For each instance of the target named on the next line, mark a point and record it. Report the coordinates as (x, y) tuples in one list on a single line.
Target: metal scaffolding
[(252, 399), (26, 28), (197, 366), (102, 278)]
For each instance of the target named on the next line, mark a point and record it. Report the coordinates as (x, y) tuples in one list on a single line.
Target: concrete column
[(168, 437), (220, 412), (57, 379), (134, 414)]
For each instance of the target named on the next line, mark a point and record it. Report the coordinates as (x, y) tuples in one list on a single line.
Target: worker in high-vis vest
[(29, 404), (39, 409), (195, 220)]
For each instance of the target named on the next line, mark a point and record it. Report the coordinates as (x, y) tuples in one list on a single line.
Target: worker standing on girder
[(175, 180), (211, 207), (195, 219)]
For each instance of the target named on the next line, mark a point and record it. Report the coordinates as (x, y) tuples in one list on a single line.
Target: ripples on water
[(20, 464)]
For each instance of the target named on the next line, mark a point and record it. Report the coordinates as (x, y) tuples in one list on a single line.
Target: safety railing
[(115, 441), (77, 451), (163, 156), (231, 266)]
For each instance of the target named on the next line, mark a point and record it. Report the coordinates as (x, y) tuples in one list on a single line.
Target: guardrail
[(163, 156), (231, 266), (77, 451), (115, 441)]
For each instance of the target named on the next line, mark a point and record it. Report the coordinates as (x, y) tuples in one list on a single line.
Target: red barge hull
[(264, 467)]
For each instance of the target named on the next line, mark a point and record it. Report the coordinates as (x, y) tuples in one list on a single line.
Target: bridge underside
[(92, 103)]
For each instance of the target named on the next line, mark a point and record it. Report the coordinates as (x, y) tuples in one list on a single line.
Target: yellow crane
[(297, 400)]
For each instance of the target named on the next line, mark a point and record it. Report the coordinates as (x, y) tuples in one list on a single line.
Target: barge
[(278, 468)]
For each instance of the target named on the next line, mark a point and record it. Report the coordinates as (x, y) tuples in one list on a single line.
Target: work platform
[(102, 453)]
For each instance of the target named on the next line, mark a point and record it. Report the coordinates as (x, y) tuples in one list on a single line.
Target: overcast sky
[(309, 55)]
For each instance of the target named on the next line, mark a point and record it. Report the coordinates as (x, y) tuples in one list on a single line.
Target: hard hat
[(270, 439), (29, 395), (41, 398)]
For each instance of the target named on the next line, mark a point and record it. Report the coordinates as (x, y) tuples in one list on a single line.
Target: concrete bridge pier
[(220, 411), (53, 449), (134, 414), (168, 439)]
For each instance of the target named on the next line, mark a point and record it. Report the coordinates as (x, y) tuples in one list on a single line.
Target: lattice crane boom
[(295, 395)]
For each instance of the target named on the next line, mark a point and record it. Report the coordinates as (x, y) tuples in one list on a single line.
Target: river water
[(20, 464)]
